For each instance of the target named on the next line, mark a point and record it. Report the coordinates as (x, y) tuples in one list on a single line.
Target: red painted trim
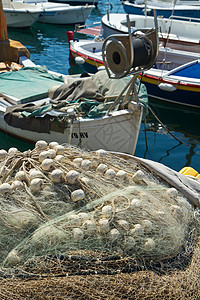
[(86, 56), (170, 82)]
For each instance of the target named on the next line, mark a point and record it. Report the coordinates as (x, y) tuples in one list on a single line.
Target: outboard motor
[(130, 53)]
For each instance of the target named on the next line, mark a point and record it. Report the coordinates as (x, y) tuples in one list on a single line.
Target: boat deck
[(93, 31)]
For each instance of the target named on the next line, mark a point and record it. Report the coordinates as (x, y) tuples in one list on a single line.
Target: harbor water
[(48, 46)]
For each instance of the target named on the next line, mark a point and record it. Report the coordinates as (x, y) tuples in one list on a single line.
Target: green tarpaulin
[(28, 84)]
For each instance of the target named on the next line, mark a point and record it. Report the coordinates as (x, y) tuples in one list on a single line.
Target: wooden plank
[(94, 31)]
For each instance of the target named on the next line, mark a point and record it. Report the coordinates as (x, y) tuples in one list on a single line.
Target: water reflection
[(6, 142), (177, 118), (157, 144), (190, 154), (47, 44), (168, 153), (28, 38), (74, 68)]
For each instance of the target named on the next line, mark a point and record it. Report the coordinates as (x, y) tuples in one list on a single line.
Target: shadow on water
[(157, 144), (177, 118), (7, 142), (28, 37)]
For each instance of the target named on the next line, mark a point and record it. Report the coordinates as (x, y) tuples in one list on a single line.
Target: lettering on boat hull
[(81, 135)]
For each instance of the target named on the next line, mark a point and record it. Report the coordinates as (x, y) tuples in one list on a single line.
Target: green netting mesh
[(62, 204)]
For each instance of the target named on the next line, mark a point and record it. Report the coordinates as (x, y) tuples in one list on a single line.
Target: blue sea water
[(48, 46)]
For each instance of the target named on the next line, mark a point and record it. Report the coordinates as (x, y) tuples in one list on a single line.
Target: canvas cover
[(90, 97), (29, 83)]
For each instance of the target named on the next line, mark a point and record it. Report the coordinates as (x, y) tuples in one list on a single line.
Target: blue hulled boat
[(180, 85), (179, 8)]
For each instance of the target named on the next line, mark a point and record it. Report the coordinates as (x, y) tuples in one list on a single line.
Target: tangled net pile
[(62, 203)]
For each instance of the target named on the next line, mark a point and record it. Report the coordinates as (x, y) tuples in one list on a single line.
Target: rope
[(164, 126), (130, 83), (169, 30)]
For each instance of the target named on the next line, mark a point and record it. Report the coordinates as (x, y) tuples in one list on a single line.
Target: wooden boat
[(163, 81), (52, 13), (182, 8), (117, 130), (19, 16), (27, 87), (181, 85), (172, 32), (87, 53)]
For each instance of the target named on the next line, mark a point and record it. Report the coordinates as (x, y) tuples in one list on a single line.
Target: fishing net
[(66, 211)]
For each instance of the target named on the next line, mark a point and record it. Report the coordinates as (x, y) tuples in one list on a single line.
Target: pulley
[(125, 54)]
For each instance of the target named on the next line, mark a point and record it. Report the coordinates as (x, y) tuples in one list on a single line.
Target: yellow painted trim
[(89, 61), (178, 86)]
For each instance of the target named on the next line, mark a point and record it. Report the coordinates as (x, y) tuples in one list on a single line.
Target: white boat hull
[(57, 13), (20, 19), (172, 33), (68, 16), (186, 9), (49, 12), (117, 132)]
